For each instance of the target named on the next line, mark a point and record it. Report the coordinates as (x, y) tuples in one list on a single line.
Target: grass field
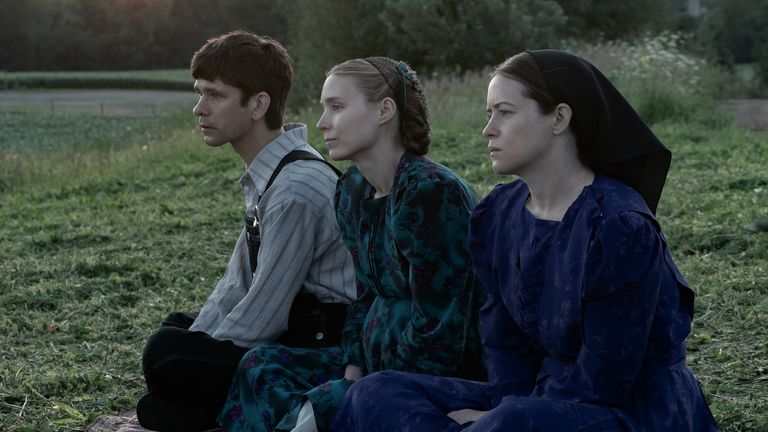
[(171, 79), (107, 224)]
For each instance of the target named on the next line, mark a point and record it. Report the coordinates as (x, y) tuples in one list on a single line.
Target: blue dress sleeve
[(513, 361), (430, 222), (623, 277)]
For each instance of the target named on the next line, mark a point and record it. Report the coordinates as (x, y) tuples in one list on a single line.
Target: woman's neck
[(380, 165), (552, 194)]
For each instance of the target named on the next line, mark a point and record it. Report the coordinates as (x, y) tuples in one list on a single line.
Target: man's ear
[(258, 105), (562, 118), (387, 110)]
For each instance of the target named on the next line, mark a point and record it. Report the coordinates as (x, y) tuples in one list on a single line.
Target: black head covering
[(610, 132)]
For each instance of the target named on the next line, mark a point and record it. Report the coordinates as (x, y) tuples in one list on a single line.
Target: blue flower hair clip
[(406, 74), (404, 71)]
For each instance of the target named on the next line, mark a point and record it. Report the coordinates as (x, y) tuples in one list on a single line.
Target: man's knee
[(161, 347)]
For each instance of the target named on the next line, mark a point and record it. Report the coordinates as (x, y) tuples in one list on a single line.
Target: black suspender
[(252, 228), (311, 324)]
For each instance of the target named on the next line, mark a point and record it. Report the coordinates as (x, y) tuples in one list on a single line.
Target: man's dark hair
[(250, 62)]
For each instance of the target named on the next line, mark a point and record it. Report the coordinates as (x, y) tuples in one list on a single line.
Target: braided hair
[(381, 77)]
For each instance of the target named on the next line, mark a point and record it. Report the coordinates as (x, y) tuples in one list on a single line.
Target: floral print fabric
[(417, 307)]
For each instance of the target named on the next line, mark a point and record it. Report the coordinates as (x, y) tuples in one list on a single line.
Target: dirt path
[(105, 102), (752, 113)]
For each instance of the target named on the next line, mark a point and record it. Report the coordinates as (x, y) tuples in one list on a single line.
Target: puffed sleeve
[(346, 197), (351, 333), (513, 361), (623, 276), (431, 224)]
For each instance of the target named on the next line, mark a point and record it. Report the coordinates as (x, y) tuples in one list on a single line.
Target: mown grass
[(93, 256)]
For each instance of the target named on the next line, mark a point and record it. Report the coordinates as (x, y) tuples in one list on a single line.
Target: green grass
[(93, 256), (171, 79)]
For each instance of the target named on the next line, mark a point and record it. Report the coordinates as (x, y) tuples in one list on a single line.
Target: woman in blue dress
[(404, 219), (585, 322)]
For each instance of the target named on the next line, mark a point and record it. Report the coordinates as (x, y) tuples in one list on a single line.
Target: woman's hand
[(466, 415), (353, 373)]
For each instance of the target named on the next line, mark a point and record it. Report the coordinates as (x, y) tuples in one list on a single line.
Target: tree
[(428, 34), (615, 19)]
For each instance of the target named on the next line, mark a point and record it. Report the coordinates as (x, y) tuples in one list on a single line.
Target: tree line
[(429, 34)]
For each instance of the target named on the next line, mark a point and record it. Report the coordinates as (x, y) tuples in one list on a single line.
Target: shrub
[(657, 75), (429, 34)]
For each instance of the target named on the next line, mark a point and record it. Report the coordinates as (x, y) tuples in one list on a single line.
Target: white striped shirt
[(300, 246)]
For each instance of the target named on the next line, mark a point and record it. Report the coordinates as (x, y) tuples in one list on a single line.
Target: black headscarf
[(610, 132)]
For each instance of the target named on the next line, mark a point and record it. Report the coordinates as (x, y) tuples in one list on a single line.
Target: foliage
[(615, 19), (733, 28), (659, 76), (735, 31), (123, 34), (429, 34)]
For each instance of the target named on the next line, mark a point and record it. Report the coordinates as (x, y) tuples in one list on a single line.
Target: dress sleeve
[(346, 196), (513, 361), (430, 225), (623, 276), (351, 334)]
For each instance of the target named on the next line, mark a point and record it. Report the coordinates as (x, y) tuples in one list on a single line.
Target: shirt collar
[(294, 136)]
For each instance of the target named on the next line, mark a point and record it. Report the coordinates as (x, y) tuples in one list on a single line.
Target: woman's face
[(349, 122), (519, 135)]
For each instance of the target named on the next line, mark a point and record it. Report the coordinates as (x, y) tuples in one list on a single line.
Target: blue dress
[(584, 328)]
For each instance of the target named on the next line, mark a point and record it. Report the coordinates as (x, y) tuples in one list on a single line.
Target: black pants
[(188, 374)]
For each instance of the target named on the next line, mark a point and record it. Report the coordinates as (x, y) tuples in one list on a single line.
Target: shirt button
[(319, 336)]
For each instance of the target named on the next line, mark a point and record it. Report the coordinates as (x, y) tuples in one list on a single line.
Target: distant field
[(37, 148), (105, 102), (170, 79)]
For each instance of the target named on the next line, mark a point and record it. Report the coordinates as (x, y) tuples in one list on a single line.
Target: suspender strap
[(252, 228), (294, 156), (311, 324)]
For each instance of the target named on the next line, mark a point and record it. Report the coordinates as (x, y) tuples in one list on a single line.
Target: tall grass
[(660, 78), (91, 261)]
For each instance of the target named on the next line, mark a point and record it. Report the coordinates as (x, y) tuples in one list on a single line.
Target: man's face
[(221, 117)]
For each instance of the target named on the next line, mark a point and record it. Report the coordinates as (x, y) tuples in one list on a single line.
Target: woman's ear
[(562, 118), (259, 104), (387, 110)]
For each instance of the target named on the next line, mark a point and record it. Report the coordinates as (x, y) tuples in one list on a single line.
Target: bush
[(659, 78), (429, 34)]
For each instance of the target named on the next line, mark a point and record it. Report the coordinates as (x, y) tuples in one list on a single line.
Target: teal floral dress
[(417, 307)]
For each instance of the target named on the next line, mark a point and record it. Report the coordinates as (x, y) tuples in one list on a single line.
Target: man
[(243, 81)]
